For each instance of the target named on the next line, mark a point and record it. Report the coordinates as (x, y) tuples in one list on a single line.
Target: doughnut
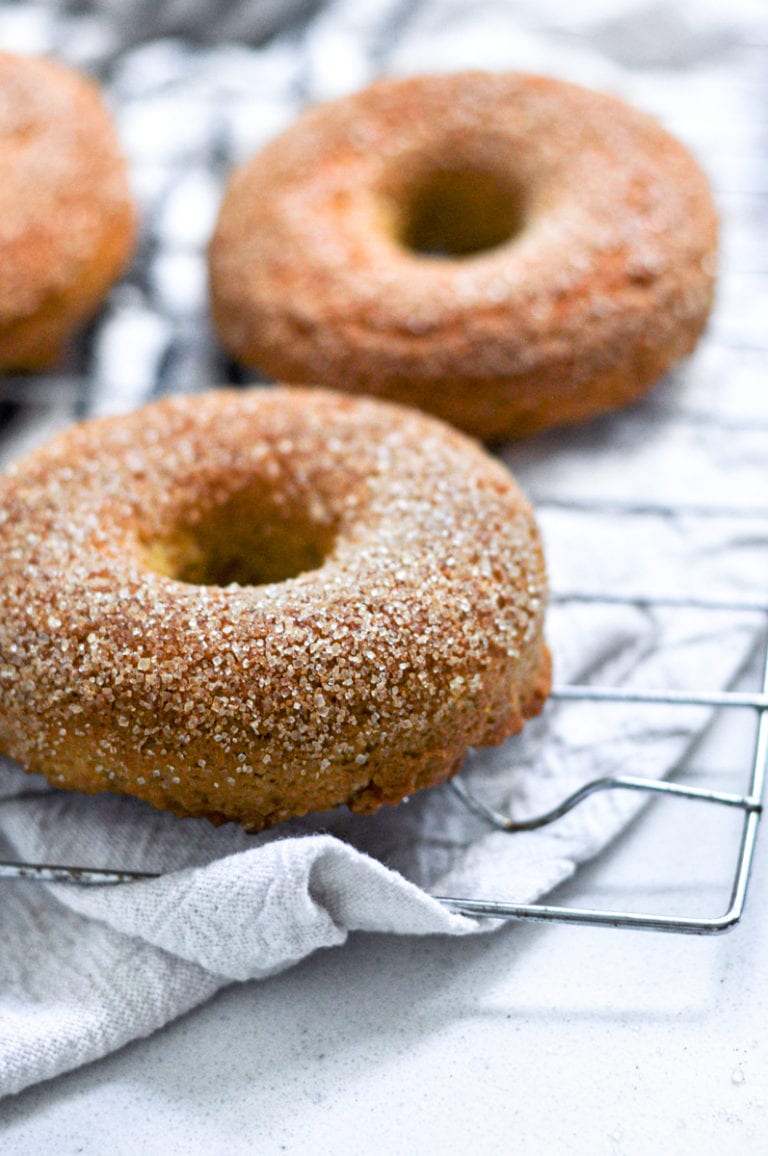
[(67, 222), (506, 251), (249, 605)]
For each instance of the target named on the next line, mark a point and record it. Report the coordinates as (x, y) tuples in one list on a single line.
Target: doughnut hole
[(253, 538), (460, 212)]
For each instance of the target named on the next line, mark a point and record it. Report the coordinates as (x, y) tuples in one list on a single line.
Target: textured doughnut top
[(250, 605), (66, 219), (507, 251)]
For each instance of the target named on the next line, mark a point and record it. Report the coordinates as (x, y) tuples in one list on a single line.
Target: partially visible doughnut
[(508, 252), (67, 221), (253, 605)]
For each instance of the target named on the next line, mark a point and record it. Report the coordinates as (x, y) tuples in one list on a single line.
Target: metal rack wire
[(40, 397), (750, 803)]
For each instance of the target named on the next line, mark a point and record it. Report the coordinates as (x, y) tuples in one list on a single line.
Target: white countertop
[(535, 1038)]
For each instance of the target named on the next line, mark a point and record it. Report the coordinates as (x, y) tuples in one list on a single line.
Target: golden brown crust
[(411, 631), (67, 222), (606, 283)]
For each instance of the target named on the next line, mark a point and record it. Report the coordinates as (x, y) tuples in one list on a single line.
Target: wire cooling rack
[(32, 407), (750, 803)]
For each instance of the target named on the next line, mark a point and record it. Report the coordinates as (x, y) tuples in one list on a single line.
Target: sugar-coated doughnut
[(67, 221), (250, 605), (506, 251)]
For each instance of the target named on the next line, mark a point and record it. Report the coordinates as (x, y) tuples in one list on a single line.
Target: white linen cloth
[(84, 970)]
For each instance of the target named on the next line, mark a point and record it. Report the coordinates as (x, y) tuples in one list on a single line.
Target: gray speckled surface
[(560, 1039)]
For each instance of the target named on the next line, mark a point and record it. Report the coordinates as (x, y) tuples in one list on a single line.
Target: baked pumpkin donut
[(508, 252), (250, 605), (67, 222)]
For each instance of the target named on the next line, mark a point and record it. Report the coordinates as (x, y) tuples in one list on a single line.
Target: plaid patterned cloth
[(187, 113)]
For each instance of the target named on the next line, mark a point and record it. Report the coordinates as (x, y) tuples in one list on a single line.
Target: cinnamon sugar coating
[(67, 222), (251, 605), (577, 245)]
